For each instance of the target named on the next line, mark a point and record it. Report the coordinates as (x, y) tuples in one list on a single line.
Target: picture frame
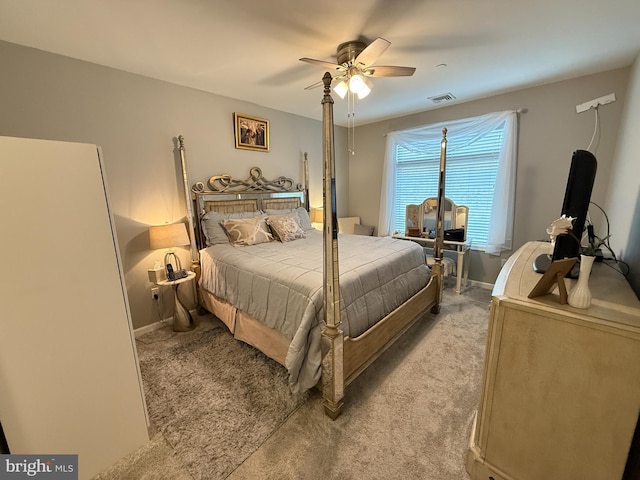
[(251, 133), (554, 274)]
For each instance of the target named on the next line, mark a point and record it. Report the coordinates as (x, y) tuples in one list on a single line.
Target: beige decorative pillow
[(247, 231), (212, 228), (303, 216), (285, 227)]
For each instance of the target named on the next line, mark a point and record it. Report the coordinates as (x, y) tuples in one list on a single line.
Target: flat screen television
[(577, 196)]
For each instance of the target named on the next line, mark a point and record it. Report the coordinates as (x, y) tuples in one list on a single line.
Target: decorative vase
[(580, 295)]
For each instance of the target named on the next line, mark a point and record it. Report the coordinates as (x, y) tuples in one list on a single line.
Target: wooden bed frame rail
[(362, 351)]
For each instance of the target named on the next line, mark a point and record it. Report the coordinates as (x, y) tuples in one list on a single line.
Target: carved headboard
[(226, 194)]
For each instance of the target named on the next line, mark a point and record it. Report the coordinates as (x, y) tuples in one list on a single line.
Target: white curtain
[(500, 235)]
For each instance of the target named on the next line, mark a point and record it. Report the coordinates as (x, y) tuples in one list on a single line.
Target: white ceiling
[(249, 49)]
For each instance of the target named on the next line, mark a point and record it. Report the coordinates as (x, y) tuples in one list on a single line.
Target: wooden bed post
[(195, 259), (307, 205), (332, 337), (195, 255), (437, 269)]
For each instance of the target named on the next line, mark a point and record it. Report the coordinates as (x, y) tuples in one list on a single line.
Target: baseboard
[(476, 283), (450, 281), (138, 332)]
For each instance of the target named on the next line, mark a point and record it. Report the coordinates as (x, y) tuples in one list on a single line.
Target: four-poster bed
[(332, 339)]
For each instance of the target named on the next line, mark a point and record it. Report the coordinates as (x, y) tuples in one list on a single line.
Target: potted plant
[(594, 247), (580, 295)]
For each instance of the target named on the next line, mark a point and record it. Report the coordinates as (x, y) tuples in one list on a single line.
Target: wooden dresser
[(561, 386)]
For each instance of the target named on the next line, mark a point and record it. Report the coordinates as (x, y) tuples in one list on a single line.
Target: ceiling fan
[(355, 66)]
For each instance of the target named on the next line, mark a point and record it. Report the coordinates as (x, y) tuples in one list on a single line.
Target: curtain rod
[(519, 110)]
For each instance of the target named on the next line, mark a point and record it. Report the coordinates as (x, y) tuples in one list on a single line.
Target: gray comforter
[(280, 284)]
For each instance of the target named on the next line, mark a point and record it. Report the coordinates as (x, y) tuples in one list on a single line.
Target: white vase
[(580, 295)]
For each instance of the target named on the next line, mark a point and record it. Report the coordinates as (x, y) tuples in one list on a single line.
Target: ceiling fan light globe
[(356, 84), (364, 91), (341, 89)]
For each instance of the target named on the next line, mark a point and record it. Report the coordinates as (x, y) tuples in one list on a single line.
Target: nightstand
[(461, 248), (182, 320)]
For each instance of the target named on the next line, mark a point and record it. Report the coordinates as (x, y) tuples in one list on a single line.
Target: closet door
[(69, 377)]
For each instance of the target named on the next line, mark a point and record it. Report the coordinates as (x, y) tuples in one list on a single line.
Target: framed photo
[(554, 274), (252, 133)]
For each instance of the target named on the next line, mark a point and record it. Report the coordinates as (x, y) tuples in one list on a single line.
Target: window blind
[(472, 163)]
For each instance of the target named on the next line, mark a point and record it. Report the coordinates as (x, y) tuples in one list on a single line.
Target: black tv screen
[(577, 197)]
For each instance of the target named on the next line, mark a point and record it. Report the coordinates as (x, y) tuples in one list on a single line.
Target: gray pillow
[(363, 229)]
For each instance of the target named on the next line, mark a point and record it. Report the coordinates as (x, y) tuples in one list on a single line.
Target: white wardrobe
[(69, 376)]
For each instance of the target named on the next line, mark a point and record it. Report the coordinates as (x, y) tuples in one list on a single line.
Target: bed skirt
[(247, 329), (359, 352)]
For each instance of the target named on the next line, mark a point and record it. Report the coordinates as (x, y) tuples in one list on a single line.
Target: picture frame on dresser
[(554, 274)]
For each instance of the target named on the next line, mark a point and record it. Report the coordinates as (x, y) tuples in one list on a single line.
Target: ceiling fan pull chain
[(351, 123), (353, 132)]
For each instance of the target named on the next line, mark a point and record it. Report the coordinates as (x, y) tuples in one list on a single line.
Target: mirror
[(413, 220), (421, 219)]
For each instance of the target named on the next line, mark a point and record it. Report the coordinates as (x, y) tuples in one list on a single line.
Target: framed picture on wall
[(252, 133)]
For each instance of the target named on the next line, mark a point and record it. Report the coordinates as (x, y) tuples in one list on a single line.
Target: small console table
[(182, 320), (462, 249)]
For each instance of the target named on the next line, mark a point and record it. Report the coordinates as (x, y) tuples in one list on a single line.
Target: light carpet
[(223, 410)]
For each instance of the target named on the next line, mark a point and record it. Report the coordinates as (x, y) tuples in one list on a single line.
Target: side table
[(461, 248), (182, 319)]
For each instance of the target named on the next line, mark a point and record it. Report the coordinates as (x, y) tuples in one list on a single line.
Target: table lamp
[(317, 217), (169, 236)]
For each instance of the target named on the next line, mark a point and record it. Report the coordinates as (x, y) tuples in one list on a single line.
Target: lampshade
[(365, 89), (341, 89), (168, 236), (355, 83), (317, 215)]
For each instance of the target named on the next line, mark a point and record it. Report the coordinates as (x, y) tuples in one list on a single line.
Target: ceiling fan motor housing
[(348, 51)]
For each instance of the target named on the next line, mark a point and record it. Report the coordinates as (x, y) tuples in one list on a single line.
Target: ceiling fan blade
[(372, 52), (321, 82), (389, 71), (314, 85), (320, 63)]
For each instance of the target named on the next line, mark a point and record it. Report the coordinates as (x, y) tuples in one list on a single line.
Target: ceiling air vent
[(445, 97)]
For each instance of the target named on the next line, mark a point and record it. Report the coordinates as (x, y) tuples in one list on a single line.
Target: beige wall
[(135, 120), (549, 133), (623, 195)]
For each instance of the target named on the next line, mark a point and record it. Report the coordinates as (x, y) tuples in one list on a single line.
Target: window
[(470, 180), (480, 173)]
